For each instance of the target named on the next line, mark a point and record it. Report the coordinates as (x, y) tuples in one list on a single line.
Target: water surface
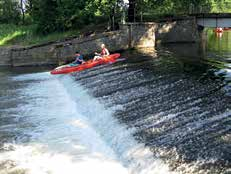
[(162, 112)]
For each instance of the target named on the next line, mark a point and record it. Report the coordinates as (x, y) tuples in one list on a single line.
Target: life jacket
[(78, 58), (103, 52)]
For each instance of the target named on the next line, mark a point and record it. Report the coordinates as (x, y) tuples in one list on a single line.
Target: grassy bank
[(24, 35)]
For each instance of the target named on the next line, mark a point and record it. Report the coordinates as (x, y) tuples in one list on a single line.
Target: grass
[(11, 34), (24, 35)]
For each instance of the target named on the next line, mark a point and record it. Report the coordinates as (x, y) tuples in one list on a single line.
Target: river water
[(163, 112)]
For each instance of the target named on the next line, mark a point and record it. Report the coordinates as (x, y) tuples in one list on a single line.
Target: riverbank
[(62, 51), (26, 35)]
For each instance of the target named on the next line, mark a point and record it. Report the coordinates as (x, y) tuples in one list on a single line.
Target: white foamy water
[(71, 132)]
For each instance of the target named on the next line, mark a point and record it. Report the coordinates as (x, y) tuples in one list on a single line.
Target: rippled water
[(52, 125), (167, 112)]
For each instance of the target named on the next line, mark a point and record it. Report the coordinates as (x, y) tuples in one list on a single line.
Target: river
[(162, 112)]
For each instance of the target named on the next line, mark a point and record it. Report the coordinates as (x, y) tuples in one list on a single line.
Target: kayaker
[(103, 53), (78, 59)]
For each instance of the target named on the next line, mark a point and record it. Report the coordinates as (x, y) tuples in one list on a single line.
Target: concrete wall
[(37, 55), (147, 34), (115, 41), (5, 56), (63, 51), (178, 31), (130, 35), (140, 34)]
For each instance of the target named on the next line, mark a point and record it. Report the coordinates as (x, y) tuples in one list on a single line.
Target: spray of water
[(72, 132)]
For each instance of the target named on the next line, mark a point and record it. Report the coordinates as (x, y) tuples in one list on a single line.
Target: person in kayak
[(103, 53), (78, 59)]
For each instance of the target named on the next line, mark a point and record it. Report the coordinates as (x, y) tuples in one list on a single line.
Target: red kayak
[(227, 28), (88, 64)]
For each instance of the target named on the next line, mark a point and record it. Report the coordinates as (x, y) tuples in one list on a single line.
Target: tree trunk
[(112, 16), (131, 11), (23, 12)]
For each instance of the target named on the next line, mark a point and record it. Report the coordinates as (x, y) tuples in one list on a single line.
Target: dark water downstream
[(167, 112)]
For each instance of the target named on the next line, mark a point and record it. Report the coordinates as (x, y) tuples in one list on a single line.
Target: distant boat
[(227, 28)]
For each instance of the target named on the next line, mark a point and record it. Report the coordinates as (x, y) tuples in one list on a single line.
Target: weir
[(165, 112), (144, 114), (183, 117), (162, 106), (74, 133)]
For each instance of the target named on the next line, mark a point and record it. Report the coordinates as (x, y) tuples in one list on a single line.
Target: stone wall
[(130, 35), (56, 53), (182, 30), (115, 41), (140, 34), (179, 31), (37, 55), (5, 56)]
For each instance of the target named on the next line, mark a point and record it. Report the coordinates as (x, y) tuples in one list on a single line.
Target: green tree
[(60, 15), (72, 13), (9, 11), (46, 16)]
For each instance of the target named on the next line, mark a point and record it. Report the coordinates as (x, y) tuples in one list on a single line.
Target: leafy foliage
[(9, 11)]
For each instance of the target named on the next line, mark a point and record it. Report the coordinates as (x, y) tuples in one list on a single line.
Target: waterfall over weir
[(142, 115), (180, 112), (56, 127)]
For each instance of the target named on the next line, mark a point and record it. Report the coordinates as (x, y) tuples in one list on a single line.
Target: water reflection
[(176, 108), (171, 102), (219, 55), (212, 56), (218, 42)]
